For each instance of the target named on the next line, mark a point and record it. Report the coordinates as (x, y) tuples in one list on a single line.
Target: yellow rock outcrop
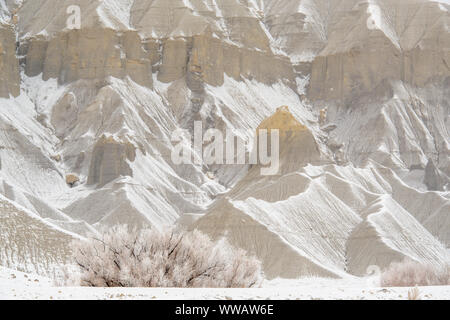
[(72, 179), (298, 146), (284, 121)]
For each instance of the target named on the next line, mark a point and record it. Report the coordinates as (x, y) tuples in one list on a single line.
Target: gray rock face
[(434, 179), (9, 64), (109, 161)]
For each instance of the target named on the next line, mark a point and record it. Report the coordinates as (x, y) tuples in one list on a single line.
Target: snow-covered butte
[(87, 116)]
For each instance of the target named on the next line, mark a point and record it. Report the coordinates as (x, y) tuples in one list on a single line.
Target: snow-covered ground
[(17, 285)]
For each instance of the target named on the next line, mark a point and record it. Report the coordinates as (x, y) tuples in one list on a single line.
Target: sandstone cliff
[(9, 63)]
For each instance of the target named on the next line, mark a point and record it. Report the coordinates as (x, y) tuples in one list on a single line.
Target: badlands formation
[(359, 90)]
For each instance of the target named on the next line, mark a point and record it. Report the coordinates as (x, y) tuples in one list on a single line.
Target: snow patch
[(115, 14), (377, 20)]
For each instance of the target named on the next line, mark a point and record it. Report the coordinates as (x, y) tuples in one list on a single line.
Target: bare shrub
[(414, 294), (148, 258), (409, 273)]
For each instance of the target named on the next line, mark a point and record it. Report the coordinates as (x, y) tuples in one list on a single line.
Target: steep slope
[(390, 233), (406, 32), (321, 220), (380, 62), (30, 244)]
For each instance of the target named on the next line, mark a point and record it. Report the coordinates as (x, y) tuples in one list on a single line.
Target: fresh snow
[(16, 285)]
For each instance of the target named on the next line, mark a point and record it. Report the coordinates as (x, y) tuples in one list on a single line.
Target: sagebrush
[(414, 294), (409, 273), (149, 258)]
